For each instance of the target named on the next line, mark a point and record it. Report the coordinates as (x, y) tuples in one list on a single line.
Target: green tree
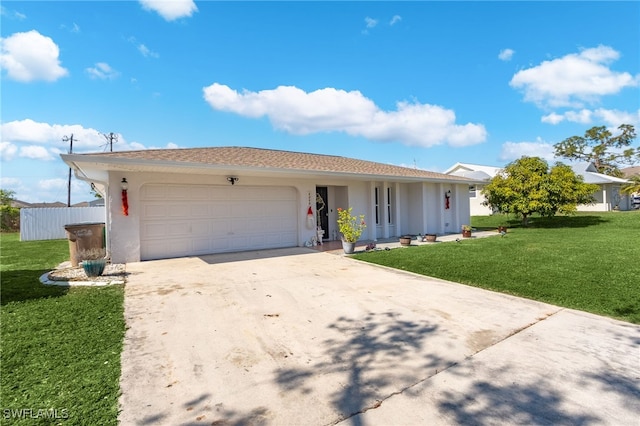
[(527, 186), (9, 215), (599, 146), (633, 186)]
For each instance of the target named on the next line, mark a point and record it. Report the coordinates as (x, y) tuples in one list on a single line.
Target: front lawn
[(590, 261), (60, 352)]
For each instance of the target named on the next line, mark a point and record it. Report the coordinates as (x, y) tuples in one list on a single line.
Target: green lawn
[(590, 261), (61, 347)]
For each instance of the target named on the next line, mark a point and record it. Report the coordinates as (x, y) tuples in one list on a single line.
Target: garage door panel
[(181, 220), (178, 192), (153, 230), (220, 210), (179, 211), (201, 245), (154, 211), (200, 210), (152, 192), (180, 229), (201, 227)]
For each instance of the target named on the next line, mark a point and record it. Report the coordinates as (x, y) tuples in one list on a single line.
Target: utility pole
[(70, 140), (111, 138)]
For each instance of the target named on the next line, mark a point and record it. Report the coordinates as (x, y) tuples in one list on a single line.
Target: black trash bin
[(84, 236)]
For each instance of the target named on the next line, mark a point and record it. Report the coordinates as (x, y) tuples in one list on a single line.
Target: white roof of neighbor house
[(473, 171), (590, 174)]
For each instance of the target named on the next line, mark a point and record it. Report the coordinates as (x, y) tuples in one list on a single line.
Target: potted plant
[(405, 240), (502, 229), (430, 238), (93, 261), (466, 231), (351, 228)]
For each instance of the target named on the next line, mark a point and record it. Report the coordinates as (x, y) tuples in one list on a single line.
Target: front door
[(322, 210)]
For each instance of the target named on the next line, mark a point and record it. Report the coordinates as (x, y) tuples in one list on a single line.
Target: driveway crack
[(379, 402)]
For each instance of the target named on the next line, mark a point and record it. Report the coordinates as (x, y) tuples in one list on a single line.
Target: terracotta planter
[(466, 234), (430, 238), (405, 241), (348, 247), (502, 229)]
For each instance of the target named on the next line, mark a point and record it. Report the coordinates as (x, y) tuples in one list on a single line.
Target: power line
[(111, 138)]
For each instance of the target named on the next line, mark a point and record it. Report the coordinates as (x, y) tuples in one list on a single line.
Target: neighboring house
[(98, 202), (189, 202), (19, 204), (23, 204), (608, 197), (478, 173), (627, 172)]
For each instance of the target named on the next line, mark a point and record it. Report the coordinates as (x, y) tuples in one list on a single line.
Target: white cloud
[(102, 71), (30, 56), (46, 134), (170, 10), (7, 151), (75, 28), (9, 182), (395, 19), (36, 152), (53, 184), (513, 150), (615, 118), (506, 54), (611, 117), (574, 79), (12, 14), (146, 52), (370, 22), (331, 110), (553, 118), (51, 135)]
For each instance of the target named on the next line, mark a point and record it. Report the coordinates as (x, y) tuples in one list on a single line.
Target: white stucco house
[(479, 174), (189, 202), (608, 197)]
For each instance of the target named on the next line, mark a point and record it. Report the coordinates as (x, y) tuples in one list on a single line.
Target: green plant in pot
[(350, 227), (93, 261), (466, 231)]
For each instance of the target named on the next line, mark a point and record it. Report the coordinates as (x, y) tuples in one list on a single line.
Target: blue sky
[(419, 84)]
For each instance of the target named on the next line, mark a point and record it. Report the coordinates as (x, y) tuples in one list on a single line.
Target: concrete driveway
[(299, 337)]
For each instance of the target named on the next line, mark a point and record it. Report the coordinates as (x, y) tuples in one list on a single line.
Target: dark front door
[(322, 210)]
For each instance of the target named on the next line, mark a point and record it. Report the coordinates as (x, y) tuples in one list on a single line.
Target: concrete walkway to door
[(300, 337)]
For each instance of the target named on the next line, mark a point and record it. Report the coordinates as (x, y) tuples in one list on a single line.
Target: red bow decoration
[(125, 203)]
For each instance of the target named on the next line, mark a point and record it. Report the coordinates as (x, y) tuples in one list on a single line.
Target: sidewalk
[(392, 243)]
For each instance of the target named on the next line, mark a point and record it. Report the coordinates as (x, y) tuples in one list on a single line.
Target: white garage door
[(185, 220)]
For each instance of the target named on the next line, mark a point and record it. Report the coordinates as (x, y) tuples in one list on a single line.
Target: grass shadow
[(578, 221), (23, 285)]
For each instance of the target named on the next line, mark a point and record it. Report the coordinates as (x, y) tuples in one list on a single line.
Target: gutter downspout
[(79, 174)]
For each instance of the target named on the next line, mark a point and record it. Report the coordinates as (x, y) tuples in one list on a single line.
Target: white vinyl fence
[(48, 223)]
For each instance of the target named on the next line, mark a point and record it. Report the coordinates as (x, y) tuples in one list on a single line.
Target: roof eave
[(141, 165)]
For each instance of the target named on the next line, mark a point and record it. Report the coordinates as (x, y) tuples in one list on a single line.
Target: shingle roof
[(630, 171), (272, 159)]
